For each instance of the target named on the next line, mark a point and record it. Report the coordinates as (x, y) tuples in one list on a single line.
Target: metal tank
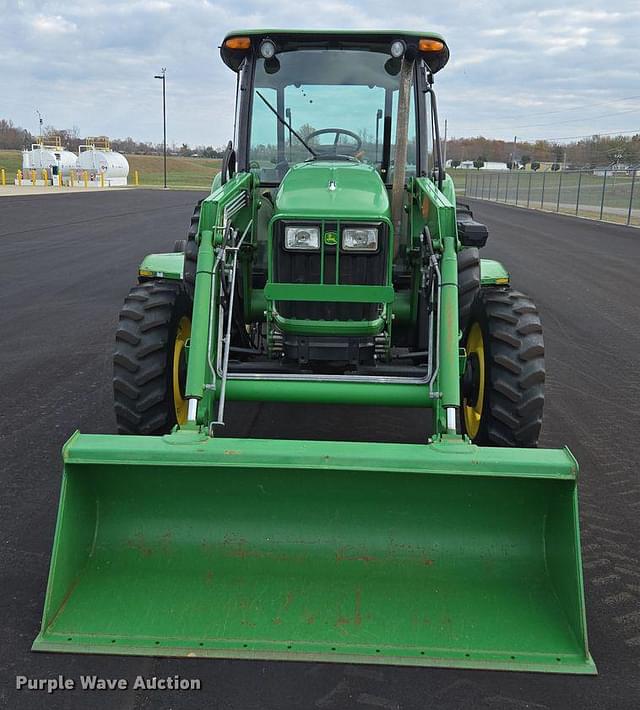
[(97, 158), (51, 157)]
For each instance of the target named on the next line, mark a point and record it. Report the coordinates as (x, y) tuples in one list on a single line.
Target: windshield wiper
[(284, 123)]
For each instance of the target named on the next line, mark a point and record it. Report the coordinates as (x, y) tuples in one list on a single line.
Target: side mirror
[(228, 169)]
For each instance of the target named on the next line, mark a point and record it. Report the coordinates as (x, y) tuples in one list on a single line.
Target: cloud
[(92, 64), (55, 24)]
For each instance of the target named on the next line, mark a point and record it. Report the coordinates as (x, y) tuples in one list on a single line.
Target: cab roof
[(291, 40)]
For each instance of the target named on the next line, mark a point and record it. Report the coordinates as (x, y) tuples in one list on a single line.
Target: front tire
[(503, 384), (149, 363)]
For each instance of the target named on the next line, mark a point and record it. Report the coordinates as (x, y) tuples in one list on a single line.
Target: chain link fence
[(612, 196)]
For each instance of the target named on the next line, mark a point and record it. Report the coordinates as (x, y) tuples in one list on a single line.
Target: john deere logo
[(330, 238)]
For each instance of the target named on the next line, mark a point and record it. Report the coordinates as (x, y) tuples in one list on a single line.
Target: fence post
[(506, 189), (578, 192), (559, 188), (517, 188), (529, 189), (497, 186), (633, 184), (544, 178), (483, 176), (604, 187), (490, 182), (466, 177)]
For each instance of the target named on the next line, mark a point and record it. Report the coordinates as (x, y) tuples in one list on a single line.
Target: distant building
[(617, 169), (489, 165)]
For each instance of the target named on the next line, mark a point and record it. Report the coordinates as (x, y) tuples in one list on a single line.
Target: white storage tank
[(51, 157), (97, 157)]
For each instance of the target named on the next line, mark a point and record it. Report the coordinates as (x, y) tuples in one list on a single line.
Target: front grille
[(320, 267)]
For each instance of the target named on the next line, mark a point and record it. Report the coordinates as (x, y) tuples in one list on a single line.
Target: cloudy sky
[(531, 68)]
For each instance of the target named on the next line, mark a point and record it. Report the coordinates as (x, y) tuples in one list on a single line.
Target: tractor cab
[(306, 100), (333, 127)]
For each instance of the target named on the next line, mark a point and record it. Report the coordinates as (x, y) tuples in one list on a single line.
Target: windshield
[(342, 103)]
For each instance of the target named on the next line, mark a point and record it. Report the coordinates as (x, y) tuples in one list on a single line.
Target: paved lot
[(66, 264)]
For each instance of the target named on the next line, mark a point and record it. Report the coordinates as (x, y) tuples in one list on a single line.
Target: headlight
[(302, 238), (360, 239)]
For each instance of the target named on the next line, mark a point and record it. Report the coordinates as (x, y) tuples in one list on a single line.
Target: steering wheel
[(322, 150)]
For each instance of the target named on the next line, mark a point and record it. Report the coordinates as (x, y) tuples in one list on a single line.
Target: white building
[(489, 165)]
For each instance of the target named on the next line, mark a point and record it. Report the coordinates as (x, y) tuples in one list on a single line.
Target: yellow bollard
[(59, 179), (45, 177), (71, 179), (85, 177), (136, 177), (101, 179), (33, 177), (3, 176), (19, 177)]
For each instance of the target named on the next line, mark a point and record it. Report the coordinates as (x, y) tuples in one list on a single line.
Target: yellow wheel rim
[(473, 412), (182, 335)]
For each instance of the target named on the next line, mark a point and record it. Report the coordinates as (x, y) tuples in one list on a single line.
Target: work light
[(267, 49), (302, 237), (397, 48), (360, 238)]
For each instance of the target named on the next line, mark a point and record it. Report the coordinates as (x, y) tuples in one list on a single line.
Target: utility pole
[(40, 122), (164, 120), (513, 154)]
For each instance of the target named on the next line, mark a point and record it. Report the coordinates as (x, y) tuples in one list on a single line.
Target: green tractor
[(329, 265)]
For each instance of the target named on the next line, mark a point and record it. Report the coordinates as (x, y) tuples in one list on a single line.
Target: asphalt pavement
[(66, 263)]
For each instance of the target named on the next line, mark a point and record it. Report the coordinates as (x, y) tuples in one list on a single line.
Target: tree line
[(589, 152), (14, 137)]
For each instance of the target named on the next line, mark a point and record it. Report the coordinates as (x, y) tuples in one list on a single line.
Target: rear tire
[(191, 248), (503, 385), (153, 326), (468, 282)]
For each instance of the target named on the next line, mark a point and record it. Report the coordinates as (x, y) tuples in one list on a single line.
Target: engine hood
[(332, 190)]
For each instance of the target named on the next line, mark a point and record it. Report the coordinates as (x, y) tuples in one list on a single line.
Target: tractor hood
[(332, 189)]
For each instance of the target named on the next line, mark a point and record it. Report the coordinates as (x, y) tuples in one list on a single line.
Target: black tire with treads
[(143, 357), (191, 248), (468, 282), (514, 367)]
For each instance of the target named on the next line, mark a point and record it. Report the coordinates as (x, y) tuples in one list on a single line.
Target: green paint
[(249, 548), (164, 266), (305, 193), (334, 293), (493, 273)]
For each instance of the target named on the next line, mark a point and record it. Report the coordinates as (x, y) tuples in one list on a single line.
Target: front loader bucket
[(435, 555)]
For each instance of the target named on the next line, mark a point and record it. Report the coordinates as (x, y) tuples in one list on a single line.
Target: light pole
[(40, 122), (164, 120)]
